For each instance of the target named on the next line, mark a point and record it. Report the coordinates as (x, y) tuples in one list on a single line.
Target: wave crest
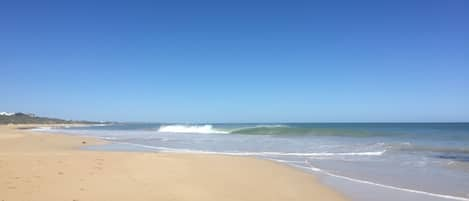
[(189, 129)]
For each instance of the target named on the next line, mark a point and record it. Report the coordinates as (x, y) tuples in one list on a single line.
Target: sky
[(236, 61)]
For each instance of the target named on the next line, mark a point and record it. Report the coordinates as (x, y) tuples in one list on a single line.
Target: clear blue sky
[(236, 61)]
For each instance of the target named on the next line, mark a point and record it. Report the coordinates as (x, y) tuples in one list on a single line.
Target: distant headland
[(30, 118)]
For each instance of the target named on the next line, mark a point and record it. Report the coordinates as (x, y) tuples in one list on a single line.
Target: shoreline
[(53, 167)]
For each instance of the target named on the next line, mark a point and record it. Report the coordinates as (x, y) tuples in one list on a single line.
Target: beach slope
[(49, 167)]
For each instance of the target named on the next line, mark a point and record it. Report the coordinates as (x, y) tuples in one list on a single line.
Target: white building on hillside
[(7, 113)]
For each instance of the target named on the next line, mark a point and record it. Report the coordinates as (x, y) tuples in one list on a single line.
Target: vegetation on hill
[(22, 118)]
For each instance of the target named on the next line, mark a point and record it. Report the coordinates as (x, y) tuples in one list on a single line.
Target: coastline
[(51, 167)]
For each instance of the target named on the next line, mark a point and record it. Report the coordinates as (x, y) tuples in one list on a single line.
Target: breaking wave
[(269, 129), (207, 129), (189, 129), (265, 129)]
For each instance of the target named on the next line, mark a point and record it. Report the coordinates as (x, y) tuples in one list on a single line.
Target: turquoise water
[(402, 161)]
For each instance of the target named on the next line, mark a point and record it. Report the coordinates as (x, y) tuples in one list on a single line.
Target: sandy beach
[(49, 167)]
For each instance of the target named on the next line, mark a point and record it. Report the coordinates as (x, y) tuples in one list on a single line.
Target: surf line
[(311, 167)]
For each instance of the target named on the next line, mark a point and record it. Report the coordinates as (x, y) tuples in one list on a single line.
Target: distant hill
[(22, 118)]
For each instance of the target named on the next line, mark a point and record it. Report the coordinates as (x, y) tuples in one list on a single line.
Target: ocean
[(364, 161)]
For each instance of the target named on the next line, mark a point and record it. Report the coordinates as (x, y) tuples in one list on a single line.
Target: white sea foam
[(377, 153), (44, 128), (102, 124), (207, 128), (289, 161), (312, 168), (189, 129), (108, 138), (167, 149)]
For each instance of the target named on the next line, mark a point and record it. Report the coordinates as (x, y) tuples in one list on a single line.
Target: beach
[(49, 167)]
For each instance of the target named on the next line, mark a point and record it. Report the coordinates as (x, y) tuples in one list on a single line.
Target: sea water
[(364, 161)]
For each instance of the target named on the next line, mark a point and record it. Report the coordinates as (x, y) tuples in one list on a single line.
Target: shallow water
[(365, 161)]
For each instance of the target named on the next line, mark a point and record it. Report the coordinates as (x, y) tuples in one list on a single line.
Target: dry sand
[(49, 167)]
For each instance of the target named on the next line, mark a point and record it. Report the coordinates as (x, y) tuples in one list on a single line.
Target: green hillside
[(22, 118)]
